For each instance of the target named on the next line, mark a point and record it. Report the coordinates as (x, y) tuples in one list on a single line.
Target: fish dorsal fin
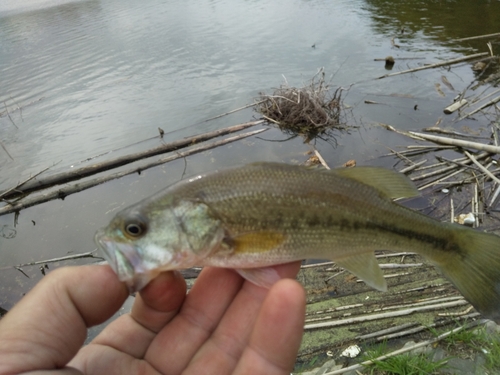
[(255, 242), (365, 266), (391, 184)]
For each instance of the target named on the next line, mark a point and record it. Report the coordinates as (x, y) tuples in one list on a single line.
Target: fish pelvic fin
[(475, 271), (390, 183), (265, 277), (365, 266)]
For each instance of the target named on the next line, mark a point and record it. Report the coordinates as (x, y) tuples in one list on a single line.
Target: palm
[(223, 326)]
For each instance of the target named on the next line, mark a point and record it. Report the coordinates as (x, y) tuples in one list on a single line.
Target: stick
[(79, 173), (458, 142), (65, 191), (476, 37), (448, 62)]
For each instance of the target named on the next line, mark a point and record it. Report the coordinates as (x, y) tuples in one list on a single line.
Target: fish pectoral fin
[(264, 277), (390, 183), (255, 242), (365, 266)]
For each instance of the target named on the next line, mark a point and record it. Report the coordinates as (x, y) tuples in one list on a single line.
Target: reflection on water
[(441, 21), (93, 76)]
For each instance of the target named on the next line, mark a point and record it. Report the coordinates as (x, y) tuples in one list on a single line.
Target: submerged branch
[(75, 188), (86, 171)]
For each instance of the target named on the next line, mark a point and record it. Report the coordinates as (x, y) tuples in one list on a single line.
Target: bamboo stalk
[(487, 104), (458, 142), (482, 168), (86, 171), (386, 331), (412, 167), (65, 191), (341, 322), (437, 65)]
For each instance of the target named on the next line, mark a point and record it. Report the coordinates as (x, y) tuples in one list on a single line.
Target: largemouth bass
[(263, 214)]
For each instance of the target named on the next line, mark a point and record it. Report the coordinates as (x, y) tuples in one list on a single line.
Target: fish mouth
[(124, 260)]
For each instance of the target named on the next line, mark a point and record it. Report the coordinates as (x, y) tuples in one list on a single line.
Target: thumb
[(49, 325)]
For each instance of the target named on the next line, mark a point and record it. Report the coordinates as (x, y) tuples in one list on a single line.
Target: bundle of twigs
[(311, 110)]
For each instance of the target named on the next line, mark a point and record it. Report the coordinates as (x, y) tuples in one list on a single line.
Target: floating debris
[(312, 111)]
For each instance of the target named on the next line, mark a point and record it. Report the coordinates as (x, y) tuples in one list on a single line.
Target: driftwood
[(437, 65), (79, 173), (65, 191)]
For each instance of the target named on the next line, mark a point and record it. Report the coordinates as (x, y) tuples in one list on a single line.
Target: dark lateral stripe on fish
[(343, 225)]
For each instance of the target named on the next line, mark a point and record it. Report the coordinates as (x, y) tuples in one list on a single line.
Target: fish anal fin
[(255, 242), (390, 183), (264, 276), (365, 266)]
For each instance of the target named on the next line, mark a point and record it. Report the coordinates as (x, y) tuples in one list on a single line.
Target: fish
[(252, 217)]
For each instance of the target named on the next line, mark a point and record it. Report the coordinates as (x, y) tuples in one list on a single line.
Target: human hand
[(225, 325)]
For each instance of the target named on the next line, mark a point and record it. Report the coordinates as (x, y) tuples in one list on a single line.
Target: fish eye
[(135, 228)]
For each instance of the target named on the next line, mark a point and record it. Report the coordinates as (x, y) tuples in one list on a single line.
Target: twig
[(8, 114), (234, 110), (448, 62), (20, 109), (89, 254), (7, 152), (65, 191)]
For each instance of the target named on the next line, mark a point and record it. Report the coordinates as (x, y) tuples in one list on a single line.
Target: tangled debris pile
[(313, 110)]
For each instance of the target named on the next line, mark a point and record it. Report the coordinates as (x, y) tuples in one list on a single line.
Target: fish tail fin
[(475, 271)]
